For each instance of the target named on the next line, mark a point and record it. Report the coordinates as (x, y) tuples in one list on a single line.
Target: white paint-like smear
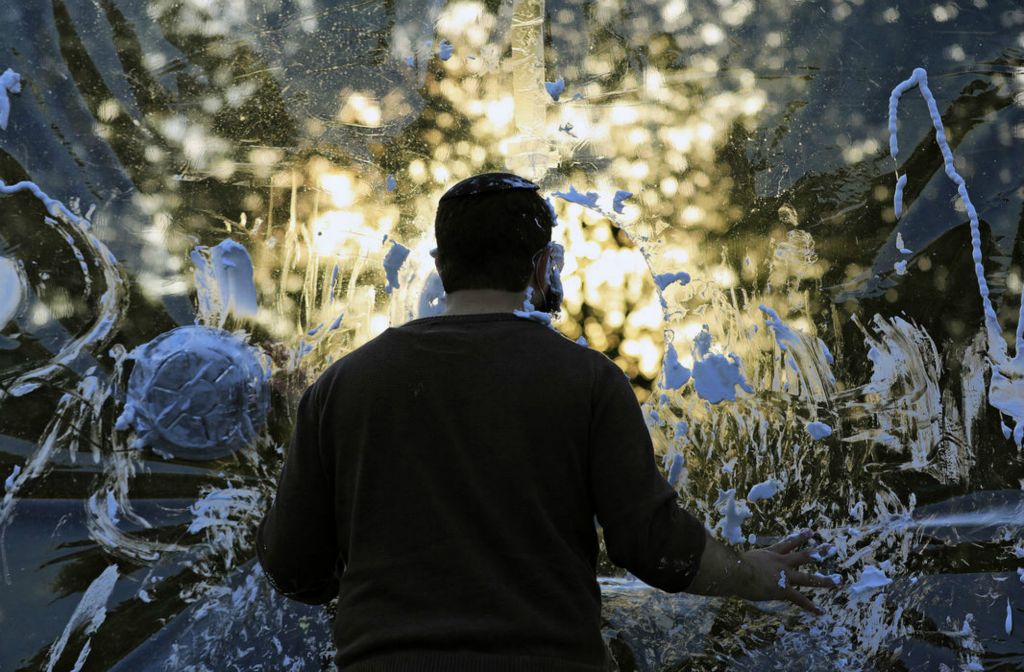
[(224, 516), (9, 481), (88, 615), (806, 369), (334, 283), (675, 463), (903, 392), (109, 305)]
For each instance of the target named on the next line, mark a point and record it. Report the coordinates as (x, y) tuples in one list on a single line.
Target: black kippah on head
[(487, 182)]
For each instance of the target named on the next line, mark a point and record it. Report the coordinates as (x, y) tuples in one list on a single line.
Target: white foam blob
[(11, 290)]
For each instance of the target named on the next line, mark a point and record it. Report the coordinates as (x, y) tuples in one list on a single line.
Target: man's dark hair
[(488, 229)]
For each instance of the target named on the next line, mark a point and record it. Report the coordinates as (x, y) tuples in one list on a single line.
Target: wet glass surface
[(848, 365)]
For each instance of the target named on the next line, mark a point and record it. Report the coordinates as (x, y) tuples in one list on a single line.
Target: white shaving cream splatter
[(530, 313), (393, 261), (733, 514), (88, 615), (871, 578), (587, 200), (675, 375), (620, 196), (764, 490), (10, 82), (818, 430), (555, 88), (716, 377)]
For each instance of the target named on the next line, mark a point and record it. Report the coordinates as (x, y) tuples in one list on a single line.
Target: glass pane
[(206, 202)]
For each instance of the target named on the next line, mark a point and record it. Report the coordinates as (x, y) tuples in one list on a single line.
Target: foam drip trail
[(919, 78), (1006, 390), (897, 197)]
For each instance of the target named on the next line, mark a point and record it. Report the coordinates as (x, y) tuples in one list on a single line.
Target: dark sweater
[(443, 480)]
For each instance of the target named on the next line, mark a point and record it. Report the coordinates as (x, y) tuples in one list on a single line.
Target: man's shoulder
[(369, 357), (356, 360), (588, 361)]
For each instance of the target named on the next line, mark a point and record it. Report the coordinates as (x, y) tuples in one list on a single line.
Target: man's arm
[(296, 540), (647, 531)]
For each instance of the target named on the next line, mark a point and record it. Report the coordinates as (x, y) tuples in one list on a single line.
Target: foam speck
[(818, 430), (555, 88), (393, 261)]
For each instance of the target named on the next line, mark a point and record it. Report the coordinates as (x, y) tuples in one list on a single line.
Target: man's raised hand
[(774, 573)]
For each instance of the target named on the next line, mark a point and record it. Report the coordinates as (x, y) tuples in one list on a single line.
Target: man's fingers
[(801, 558), (802, 601), (798, 578), (816, 555), (792, 543)]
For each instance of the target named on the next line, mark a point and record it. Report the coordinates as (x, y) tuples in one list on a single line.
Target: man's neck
[(473, 301)]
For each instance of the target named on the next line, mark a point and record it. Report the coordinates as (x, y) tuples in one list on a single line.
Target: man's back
[(466, 457)]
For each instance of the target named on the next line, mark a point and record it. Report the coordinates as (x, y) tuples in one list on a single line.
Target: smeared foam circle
[(196, 393)]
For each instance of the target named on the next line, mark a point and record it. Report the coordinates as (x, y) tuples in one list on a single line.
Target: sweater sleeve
[(646, 530), (296, 540)]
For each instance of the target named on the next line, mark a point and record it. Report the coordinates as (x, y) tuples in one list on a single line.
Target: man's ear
[(542, 261), (538, 269)]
